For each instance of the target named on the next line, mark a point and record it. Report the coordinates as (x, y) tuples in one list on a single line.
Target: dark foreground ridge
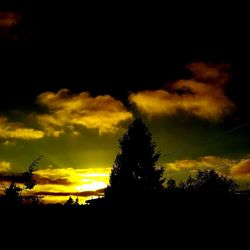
[(178, 221), (172, 209)]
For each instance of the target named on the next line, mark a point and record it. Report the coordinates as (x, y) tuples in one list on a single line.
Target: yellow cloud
[(5, 166), (211, 162), (77, 177), (11, 130), (202, 96), (241, 170), (64, 110)]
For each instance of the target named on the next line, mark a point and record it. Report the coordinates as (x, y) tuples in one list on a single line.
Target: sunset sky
[(72, 79)]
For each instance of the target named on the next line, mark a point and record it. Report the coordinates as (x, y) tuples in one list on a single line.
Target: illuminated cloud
[(5, 166), (241, 170), (8, 19), (103, 112), (202, 96), (81, 179), (207, 162), (11, 130)]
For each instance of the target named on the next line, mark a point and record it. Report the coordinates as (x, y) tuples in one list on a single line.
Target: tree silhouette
[(134, 172)]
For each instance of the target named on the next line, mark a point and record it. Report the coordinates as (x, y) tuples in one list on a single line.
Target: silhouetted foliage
[(171, 185), (209, 181), (33, 200), (12, 194), (134, 171), (29, 181), (190, 183), (181, 185)]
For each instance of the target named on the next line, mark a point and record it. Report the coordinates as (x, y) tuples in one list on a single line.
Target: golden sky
[(78, 134)]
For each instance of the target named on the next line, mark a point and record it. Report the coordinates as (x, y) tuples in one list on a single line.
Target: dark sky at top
[(115, 48)]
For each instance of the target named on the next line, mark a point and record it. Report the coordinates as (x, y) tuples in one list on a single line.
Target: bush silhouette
[(171, 185)]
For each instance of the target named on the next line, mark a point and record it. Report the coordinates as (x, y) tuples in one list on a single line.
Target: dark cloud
[(83, 194), (116, 53), (18, 178), (40, 180), (43, 180)]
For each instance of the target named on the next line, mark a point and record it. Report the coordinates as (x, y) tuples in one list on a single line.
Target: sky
[(73, 77)]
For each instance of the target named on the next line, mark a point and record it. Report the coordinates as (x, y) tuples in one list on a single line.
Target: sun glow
[(57, 185), (95, 185)]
